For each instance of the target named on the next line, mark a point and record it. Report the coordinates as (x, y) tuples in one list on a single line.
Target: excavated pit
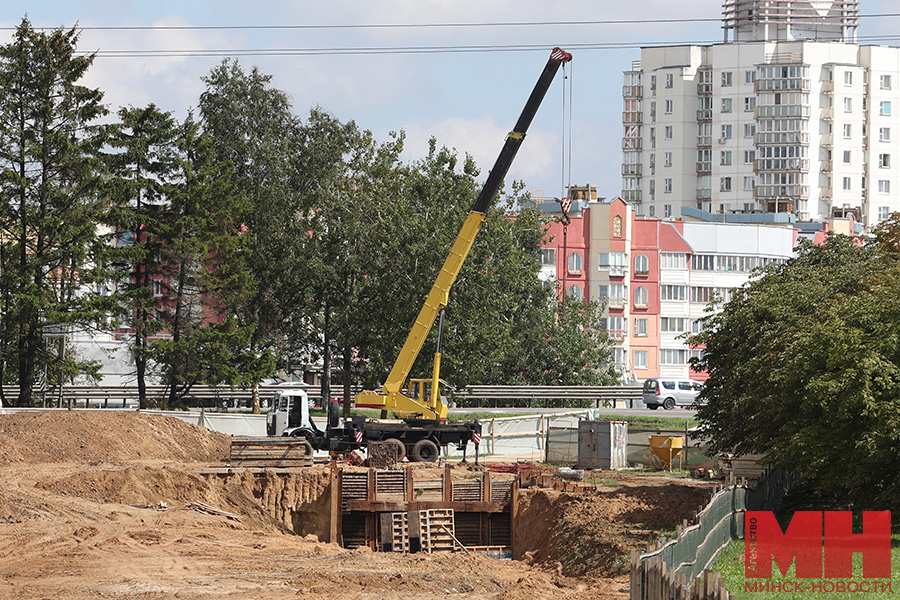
[(585, 529)]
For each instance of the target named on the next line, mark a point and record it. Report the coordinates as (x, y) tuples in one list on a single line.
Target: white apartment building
[(788, 115)]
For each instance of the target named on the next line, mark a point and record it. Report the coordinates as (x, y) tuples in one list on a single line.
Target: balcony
[(704, 89), (633, 91), (828, 87), (631, 169), (781, 164), (704, 140), (828, 113), (617, 334), (795, 84), (631, 143), (631, 195), (705, 114), (704, 167), (704, 194), (782, 137), (826, 166), (618, 271), (827, 140), (616, 303), (826, 192), (632, 117)]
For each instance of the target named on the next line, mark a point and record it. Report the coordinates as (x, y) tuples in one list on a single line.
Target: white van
[(669, 393)]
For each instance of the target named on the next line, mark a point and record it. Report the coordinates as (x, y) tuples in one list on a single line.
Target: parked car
[(669, 393)]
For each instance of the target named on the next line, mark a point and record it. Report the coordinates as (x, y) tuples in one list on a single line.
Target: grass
[(652, 422), (731, 564)]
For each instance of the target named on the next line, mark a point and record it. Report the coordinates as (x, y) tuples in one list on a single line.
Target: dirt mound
[(105, 436), (593, 532)]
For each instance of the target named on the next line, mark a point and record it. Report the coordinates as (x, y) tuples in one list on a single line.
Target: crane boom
[(391, 397)]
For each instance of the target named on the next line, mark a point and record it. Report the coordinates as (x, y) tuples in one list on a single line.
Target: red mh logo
[(805, 539)]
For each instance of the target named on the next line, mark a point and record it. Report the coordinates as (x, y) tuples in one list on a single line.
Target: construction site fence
[(680, 567), (562, 447)]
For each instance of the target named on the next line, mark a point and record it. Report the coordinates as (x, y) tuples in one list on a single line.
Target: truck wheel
[(401, 449), (307, 445), (425, 451)]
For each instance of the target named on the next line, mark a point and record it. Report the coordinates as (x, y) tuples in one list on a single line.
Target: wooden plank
[(398, 506)]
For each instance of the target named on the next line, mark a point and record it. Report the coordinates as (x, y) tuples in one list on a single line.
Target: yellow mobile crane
[(422, 399), (423, 429)]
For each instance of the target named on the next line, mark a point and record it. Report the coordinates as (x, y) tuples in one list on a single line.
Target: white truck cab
[(290, 410)]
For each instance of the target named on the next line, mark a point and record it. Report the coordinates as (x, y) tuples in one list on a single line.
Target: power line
[(364, 50), (405, 25)]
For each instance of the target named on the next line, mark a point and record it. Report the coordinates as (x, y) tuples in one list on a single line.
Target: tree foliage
[(50, 205), (804, 367)]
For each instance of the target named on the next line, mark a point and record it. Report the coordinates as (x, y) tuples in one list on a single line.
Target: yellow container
[(665, 448)]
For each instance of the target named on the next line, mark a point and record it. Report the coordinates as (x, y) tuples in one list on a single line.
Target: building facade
[(788, 115), (658, 278)]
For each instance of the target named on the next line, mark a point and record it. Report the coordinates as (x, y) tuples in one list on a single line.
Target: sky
[(468, 100)]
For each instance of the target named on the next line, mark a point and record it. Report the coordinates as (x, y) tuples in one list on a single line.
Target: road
[(678, 413)]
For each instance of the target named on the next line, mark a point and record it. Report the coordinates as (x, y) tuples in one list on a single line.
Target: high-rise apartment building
[(788, 115)]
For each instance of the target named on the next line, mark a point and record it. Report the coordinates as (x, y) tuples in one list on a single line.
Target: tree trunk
[(326, 360), (348, 360)]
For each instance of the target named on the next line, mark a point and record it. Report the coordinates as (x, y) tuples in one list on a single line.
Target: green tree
[(50, 174), (804, 367), (141, 169), (206, 280), (252, 127)]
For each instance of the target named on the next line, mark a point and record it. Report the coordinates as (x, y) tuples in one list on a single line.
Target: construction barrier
[(680, 568)]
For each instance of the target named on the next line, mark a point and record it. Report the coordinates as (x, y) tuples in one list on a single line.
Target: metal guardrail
[(578, 395)]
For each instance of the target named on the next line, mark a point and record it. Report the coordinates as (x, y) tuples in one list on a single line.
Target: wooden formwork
[(482, 501), (270, 452)]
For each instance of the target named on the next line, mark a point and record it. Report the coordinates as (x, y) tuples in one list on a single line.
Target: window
[(749, 130), (725, 184), (669, 131), (884, 134), (702, 295), (611, 261), (575, 292), (575, 262), (725, 157), (667, 157), (640, 327), (670, 80), (885, 108), (846, 157), (726, 105), (848, 131), (883, 213), (846, 184), (640, 359), (749, 156), (667, 185), (885, 82), (884, 161), (726, 79), (672, 292), (641, 297), (641, 264), (703, 262), (848, 105), (157, 288), (673, 357), (749, 77), (548, 256), (884, 186), (673, 260), (749, 103), (848, 77), (726, 132), (667, 211), (673, 324), (670, 106), (749, 183)]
